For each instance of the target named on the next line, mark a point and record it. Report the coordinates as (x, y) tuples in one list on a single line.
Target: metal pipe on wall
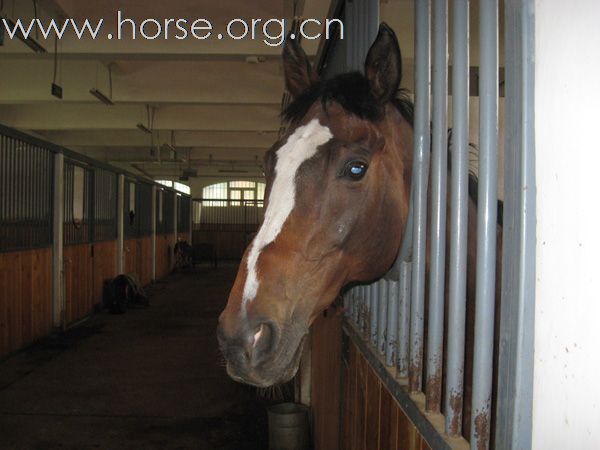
[(153, 229), (459, 198), (368, 312), (421, 166), (58, 203), (404, 319), (374, 289), (486, 224), (391, 347), (120, 221), (439, 167), (382, 313)]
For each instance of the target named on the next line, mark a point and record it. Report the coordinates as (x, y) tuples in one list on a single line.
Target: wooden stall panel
[(79, 286), (105, 267), (164, 254), (371, 417), (145, 260), (130, 256), (25, 297), (326, 366)]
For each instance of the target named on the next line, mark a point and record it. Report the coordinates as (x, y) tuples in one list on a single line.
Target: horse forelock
[(299, 147), (353, 93)]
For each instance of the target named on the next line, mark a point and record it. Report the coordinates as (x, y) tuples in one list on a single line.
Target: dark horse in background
[(337, 197)]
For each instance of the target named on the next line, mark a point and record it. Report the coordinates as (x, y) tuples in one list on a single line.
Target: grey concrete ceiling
[(217, 101)]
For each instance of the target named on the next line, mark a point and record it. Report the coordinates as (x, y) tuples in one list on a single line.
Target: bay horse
[(336, 200)]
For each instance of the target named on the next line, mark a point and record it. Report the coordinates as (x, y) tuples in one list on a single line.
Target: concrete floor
[(148, 379)]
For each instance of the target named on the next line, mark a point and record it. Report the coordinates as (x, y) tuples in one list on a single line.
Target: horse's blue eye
[(355, 170)]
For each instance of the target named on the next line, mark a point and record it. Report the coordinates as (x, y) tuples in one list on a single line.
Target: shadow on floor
[(151, 378)]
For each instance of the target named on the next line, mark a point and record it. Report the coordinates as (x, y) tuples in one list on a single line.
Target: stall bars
[(387, 318)]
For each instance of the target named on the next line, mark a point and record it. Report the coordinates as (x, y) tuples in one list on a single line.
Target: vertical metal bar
[(374, 289), (382, 312), (373, 22), (391, 349), (515, 359), (153, 232), (439, 167), (421, 162), (459, 198), (175, 225), (404, 293), (368, 312), (486, 224), (58, 295), (364, 308), (120, 221), (350, 46)]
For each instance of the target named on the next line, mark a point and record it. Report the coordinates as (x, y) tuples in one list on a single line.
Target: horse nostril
[(262, 342), (258, 334)]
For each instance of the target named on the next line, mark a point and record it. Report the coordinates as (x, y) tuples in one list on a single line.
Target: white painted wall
[(566, 398)]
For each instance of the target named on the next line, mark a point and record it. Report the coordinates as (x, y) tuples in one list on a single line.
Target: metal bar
[(373, 22), (391, 349), (174, 224), (374, 289), (459, 198), (486, 225), (367, 312), (153, 230), (515, 359), (120, 221), (58, 295), (363, 308), (439, 168), (404, 319), (382, 313), (421, 163)]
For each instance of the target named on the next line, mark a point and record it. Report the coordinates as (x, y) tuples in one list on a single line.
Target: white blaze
[(300, 146)]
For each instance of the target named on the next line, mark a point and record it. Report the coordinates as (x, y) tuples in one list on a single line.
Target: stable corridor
[(151, 378)]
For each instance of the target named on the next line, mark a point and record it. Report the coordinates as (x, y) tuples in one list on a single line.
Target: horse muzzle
[(262, 353)]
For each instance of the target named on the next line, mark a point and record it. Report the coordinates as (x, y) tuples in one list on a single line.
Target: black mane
[(352, 92)]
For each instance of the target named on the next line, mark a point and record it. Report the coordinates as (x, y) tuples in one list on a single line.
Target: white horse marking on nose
[(299, 147)]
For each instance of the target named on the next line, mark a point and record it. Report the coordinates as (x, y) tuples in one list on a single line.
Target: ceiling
[(217, 102)]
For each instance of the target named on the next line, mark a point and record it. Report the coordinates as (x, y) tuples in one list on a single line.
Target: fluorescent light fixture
[(144, 128), (100, 96), (30, 42)]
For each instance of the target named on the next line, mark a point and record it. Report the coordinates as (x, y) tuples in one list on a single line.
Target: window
[(175, 185), (251, 192), (78, 190)]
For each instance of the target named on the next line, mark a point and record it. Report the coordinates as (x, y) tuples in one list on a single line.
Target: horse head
[(336, 204)]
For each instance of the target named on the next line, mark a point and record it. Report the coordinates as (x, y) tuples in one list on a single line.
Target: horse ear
[(299, 73), (383, 66)]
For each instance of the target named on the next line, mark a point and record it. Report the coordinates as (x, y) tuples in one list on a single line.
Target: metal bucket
[(288, 427)]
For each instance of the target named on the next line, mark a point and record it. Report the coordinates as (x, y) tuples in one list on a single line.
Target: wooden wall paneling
[(130, 250), (326, 367), (164, 249), (371, 417), (25, 297), (14, 302), (104, 267), (372, 408), (78, 281), (145, 260)]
